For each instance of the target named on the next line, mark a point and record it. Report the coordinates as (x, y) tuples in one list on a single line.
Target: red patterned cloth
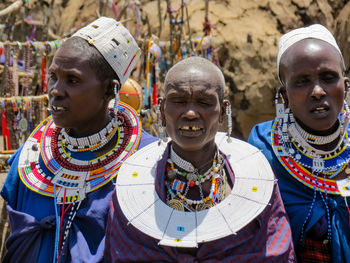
[(315, 251)]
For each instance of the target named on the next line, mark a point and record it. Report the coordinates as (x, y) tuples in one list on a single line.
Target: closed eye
[(329, 77), (304, 80)]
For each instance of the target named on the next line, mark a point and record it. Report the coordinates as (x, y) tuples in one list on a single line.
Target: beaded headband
[(115, 43), (315, 31)]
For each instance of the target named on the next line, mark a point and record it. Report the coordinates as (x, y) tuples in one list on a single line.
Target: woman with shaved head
[(203, 196), (308, 146)]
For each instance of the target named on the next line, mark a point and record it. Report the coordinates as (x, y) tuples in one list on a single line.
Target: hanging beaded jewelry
[(297, 155), (160, 127), (92, 142), (14, 68), (180, 201), (291, 145), (229, 122), (7, 72), (116, 98)]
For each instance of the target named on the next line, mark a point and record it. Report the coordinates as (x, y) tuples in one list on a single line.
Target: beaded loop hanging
[(7, 72), (14, 69), (229, 122), (27, 81)]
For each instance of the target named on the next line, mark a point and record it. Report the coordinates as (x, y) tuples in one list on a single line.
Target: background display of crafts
[(142, 207), (131, 94), (20, 115)]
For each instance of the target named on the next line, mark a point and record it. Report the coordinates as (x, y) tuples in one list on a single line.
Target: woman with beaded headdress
[(308, 146), (202, 197), (60, 181)]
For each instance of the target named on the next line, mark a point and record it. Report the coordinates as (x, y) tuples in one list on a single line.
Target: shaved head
[(196, 65)]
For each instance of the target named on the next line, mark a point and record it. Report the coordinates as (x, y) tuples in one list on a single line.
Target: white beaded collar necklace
[(143, 208), (183, 164), (94, 141), (316, 139)]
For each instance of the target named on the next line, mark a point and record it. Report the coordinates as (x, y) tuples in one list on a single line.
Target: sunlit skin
[(83, 98), (192, 111), (314, 84)]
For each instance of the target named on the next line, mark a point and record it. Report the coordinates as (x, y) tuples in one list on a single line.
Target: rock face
[(246, 34)]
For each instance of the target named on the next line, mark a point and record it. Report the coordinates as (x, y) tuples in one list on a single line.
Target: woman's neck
[(94, 126), (201, 159), (327, 146)]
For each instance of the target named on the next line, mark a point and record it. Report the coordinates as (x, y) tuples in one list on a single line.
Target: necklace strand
[(316, 139), (92, 142)]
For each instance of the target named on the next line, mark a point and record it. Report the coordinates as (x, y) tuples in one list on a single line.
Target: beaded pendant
[(43, 162)]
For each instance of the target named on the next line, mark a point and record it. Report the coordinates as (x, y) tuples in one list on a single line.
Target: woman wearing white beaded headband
[(60, 182), (307, 144), (201, 194)]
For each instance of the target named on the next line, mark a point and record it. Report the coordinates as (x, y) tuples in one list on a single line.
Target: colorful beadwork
[(55, 165), (297, 163), (175, 196)]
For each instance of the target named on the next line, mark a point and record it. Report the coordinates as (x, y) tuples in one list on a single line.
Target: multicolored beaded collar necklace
[(177, 188), (311, 167), (46, 165)]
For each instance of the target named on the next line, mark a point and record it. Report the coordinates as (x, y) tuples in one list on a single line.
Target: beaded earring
[(279, 104), (116, 99), (229, 121), (161, 128), (344, 117)]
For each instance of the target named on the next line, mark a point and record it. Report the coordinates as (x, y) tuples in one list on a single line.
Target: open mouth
[(190, 128), (56, 109), (320, 110), (190, 131)]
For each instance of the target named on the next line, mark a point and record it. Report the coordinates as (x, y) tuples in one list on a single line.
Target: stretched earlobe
[(116, 89), (281, 101), (347, 84), (161, 121)]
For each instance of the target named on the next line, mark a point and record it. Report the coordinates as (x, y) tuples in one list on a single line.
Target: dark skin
[(77, 98), (191, 112), (314, 87)]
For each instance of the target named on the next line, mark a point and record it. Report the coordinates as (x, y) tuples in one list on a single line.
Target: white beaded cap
[(115, 43), (316, 31)]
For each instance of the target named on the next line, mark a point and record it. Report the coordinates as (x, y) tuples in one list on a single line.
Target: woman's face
[(315, 86), (191, 109), (77, 97)]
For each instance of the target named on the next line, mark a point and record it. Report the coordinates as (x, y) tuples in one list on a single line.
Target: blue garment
[(33, 222), (297, 199)]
